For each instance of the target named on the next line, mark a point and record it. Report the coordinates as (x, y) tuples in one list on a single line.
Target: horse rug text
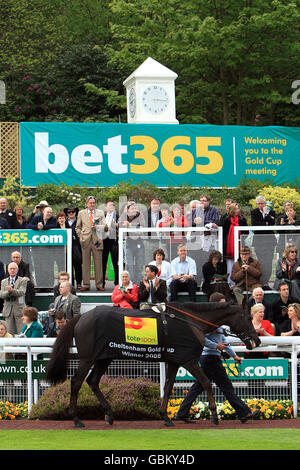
[(133, 334)]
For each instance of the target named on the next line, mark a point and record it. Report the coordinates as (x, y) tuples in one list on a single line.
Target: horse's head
[(242, 326)]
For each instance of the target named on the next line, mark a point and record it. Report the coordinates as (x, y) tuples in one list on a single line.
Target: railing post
[(294, 379), (162, 377), (29, 378)]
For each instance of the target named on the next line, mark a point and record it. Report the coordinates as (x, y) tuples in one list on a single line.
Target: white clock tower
[(151, 94)]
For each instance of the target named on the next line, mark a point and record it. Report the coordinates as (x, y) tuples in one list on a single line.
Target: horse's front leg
[(198, 373), (171, 371)]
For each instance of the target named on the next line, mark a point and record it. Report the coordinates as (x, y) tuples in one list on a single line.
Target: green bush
[(129, 399), (278, 195)]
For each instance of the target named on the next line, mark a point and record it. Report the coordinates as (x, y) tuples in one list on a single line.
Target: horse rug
[(140, 335)]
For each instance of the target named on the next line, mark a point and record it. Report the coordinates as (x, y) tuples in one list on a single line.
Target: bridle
[(244, 336)]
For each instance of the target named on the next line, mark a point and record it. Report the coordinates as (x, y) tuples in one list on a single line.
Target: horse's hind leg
[(170, 379), (198, 373), (76, 383), (93, 380)]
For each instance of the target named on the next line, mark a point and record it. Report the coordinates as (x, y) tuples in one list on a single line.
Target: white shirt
[(166, 270)]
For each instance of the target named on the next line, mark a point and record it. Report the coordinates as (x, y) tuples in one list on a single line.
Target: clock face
[(132, 102), (155, 99)]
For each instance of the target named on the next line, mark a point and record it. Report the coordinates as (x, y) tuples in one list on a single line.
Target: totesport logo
[(140, 330)]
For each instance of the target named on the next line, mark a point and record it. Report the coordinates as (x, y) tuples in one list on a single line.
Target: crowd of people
[(156, 269)]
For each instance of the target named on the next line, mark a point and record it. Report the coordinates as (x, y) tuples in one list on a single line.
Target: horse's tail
[(57, 366)]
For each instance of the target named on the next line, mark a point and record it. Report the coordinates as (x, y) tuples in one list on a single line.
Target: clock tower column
[(151, 94)]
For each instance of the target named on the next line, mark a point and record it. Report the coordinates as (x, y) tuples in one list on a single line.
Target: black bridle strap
[(193, 316), (242, 336)]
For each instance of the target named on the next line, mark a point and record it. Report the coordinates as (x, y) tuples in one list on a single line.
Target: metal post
[(35, 385), (29, 375), (162, 377), (294, 379)]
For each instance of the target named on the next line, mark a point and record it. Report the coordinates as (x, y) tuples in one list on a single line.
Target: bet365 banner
[(165, 155)]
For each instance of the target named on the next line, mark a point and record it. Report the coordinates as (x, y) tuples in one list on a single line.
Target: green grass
[(169, 439)]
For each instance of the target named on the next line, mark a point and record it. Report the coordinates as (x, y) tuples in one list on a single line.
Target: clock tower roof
[(150, 68)]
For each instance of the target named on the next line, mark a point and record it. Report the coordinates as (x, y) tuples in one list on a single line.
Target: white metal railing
[(34, 346), (162, 234), (292, 229)]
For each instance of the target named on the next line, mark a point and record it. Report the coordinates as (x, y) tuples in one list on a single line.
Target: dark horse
[(181, 331)]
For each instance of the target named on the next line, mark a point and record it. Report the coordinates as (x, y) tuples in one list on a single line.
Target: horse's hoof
[(79, 424), (109, 419), (169, 424)]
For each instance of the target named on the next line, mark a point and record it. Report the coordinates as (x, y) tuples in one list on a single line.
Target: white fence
[(34, 346)]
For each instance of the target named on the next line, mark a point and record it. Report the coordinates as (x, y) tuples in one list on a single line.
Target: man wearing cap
[(246, 273), (44, 221), (71, 221), (39, 207), (90, 228)]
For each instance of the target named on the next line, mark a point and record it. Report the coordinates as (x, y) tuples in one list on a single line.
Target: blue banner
[(165, 155)]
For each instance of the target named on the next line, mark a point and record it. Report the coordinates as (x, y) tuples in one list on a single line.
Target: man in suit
[(90, 228), (152, 289), (7, 214), (110, 240), (264, 245), (24, 271), (67, 302), (257, 297), (152, 215), (13, 289)]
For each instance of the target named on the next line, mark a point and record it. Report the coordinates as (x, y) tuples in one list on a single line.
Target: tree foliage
[(236, 60)]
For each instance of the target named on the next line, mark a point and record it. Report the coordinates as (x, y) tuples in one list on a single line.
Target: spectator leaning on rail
[(44, 221), (31, 328), (246, 273)]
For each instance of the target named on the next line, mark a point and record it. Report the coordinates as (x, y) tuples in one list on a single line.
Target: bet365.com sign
[(165, 155), (249, 369)]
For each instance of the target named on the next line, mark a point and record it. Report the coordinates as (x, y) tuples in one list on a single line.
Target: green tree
[(235, 59)]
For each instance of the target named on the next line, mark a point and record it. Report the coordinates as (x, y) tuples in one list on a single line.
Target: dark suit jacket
[(160, 294), (268, 308), (23, 270), (51, 223), (258, 220), (10, 217)]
